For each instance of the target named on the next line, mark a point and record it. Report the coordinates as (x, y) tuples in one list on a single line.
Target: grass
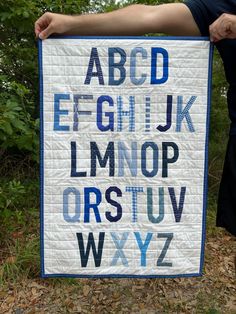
[(19, 220), (203, 307), (22, 261)]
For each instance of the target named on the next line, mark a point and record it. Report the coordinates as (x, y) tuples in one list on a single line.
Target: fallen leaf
[(10, 299), (142, 306), (2, 294), (86, 290), (231, 304), (34, 291)]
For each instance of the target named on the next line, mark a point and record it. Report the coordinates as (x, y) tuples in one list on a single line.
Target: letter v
[(177, 209)]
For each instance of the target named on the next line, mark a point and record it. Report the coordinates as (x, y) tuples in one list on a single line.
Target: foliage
[(23, 260), (17, 127), (19, 96), (18, 206), (219, 125), (11, 195), (104, 6)]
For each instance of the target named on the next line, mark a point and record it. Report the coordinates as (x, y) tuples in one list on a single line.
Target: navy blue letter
[(177, 209), (162, 128), (73, 172), (165, 159), (88, 204), (97, 253), (95, 154), (110, 115), (94, 59), (113, 203)]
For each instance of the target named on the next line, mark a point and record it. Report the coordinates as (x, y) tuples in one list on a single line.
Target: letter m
[(97, 253), (109, 155)]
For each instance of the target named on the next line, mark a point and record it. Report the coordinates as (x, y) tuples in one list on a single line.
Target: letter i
[(148, 114)]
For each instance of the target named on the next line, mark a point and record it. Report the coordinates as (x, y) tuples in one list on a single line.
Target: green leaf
[(6, 126), (20, 125)]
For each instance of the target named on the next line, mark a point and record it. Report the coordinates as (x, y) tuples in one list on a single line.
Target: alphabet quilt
[(124, 149)]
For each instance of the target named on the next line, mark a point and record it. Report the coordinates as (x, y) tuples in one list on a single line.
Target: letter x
[(119, 243)]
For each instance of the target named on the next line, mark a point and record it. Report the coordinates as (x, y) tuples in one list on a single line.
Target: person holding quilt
[(216, 19)]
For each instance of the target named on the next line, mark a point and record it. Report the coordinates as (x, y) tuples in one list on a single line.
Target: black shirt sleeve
[(205, 12)]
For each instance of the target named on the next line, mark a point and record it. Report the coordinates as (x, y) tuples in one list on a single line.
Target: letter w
[(97, 254)]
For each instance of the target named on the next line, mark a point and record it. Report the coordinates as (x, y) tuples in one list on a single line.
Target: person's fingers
[(214, 35), (217, 29), (216, 32), (42, 24), (46, 32), (39, 25), (37, 29), (223, 27)]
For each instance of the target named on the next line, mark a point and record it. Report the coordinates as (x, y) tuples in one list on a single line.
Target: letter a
[(94, 60)]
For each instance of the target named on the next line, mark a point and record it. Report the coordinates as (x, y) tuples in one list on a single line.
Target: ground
[(213, 293)]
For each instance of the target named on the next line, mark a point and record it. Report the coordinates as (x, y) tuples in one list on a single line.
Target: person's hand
[(50, 23), (223, 27)]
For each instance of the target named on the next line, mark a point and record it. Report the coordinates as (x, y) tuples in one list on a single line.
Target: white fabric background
[(65, 63)]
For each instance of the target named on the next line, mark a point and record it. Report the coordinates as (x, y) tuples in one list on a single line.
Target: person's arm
[(223, 27), (174, 19)]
